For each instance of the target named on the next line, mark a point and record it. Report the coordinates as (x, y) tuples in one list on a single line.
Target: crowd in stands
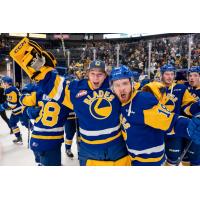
[(173, 49)]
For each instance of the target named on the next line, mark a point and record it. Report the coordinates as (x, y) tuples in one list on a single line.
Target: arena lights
[(59, 36), (37, 35), (110, 36), (18, 34), (128, 35)]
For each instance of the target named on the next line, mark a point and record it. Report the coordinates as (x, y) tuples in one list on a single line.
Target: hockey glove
[(33, 112), (32, 58)]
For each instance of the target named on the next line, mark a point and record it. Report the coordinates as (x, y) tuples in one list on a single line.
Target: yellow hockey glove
[(31, 57)]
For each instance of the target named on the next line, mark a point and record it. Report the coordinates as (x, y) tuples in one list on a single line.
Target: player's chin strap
[(171, 92), (130, 107)]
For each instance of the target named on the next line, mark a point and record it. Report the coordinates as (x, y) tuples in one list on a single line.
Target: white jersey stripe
[(156, 149), (60, 89), (59, 129), (99, 132)]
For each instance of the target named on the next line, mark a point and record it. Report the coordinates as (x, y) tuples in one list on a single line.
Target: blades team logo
[(100, 105)]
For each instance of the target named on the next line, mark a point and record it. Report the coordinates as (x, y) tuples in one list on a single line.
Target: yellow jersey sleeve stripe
[(57, 89), (67, 100)]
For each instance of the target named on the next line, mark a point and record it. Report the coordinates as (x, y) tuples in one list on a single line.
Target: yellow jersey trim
[(67, 100), (44, 137), (132, 96), (53, 92), (16, 130), (140, 159), (101, 141), (68, 142), (90, 85)]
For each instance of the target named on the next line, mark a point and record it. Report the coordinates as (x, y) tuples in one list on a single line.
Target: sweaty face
[(122, 88), (96, 77), (194, 79), (168, 78)]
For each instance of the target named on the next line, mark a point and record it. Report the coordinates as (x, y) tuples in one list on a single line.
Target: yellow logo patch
[(100, 104)]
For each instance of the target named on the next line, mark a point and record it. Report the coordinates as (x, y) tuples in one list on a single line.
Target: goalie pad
[(31, 57)]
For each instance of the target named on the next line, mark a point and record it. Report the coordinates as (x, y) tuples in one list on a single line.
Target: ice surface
[(19, 155)]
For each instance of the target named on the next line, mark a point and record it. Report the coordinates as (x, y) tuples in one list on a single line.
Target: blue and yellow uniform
[(12, 102), (98, 114), (48, 131), (177, 99), (3, 112), (137, 85), (97, 110), (192, 156), (145, 124), (195, 91)]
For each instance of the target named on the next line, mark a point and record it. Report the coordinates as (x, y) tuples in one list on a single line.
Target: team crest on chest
[(100, 105)]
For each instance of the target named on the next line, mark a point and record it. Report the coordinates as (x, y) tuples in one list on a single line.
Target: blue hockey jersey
[(97, 110), (12, 102), (176, 98), (145, 122), (48, 130), (195, 91)]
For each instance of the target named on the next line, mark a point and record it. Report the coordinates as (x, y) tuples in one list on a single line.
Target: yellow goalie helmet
[(32, 58)]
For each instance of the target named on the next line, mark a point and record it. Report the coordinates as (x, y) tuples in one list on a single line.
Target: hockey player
[(194, 81), (3, 113), (192, 156), (177, 99), (12, 102), (48, 131), (146, 121), (96, 107)]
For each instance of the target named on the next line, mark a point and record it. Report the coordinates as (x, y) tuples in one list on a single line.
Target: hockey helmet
[(7, 79), (120, 72), (167, 67), (194, 69)]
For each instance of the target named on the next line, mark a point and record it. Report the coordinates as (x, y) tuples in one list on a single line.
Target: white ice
[(19, 155)]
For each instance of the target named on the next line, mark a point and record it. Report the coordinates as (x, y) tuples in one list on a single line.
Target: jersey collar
[(90, 85), (131, 98)]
